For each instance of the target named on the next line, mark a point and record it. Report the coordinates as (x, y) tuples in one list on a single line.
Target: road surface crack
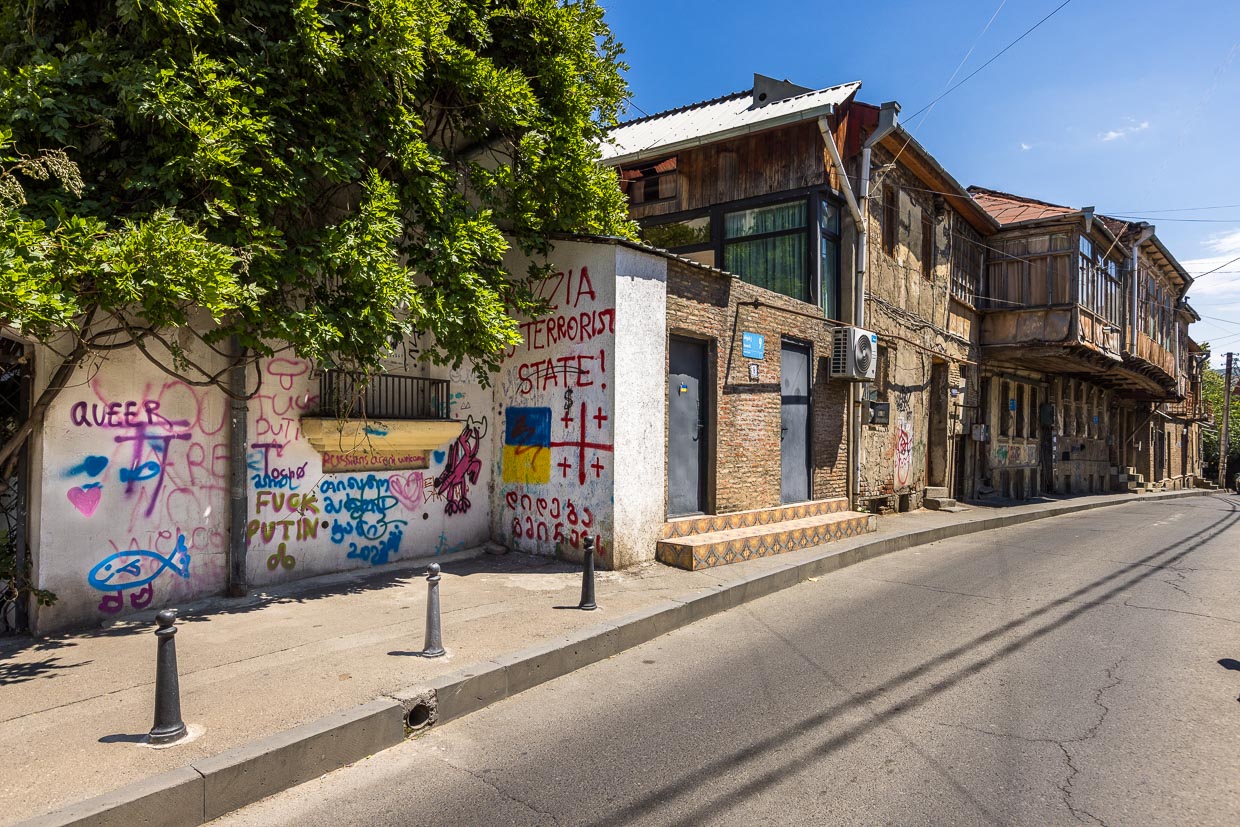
[(1176, 611), (1178, 582), (1067, 786), (487, 782), (933, 588)]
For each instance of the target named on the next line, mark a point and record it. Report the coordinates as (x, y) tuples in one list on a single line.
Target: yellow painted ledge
[(348, 435)]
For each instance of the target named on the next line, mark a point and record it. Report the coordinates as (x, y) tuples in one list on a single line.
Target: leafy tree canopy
[(1213, 387), (327, 173)]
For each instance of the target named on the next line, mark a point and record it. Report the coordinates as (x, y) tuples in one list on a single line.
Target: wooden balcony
[(1069, 339)]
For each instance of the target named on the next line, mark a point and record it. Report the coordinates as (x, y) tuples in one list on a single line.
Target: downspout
[(238, 509), (859, 208), (853, 483), (888, 121)]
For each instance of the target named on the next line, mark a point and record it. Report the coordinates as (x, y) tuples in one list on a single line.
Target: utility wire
[(995, 57), (1217, 269)]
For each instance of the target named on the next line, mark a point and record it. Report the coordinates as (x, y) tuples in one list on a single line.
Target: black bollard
[(168, 724), (434, 637), (587, 578)]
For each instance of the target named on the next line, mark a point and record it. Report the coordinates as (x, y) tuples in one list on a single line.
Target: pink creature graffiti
[(904, 454), (461, 468)]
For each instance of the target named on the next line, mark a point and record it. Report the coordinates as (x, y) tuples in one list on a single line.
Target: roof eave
[(813, 113), (908, 141)]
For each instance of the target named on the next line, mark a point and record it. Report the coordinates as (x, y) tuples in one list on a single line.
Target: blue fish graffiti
[(122, 571)]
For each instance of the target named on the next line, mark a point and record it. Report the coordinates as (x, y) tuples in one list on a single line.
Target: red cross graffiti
[(581, 444)]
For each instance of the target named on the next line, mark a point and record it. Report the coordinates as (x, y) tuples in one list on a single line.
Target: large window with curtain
[(767, 246), (789, 244)]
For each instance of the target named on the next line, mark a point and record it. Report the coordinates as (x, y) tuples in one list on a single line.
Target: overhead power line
[(993, 58)]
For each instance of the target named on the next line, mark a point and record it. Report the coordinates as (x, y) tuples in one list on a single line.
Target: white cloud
[(1124, 131), (1024, 147)]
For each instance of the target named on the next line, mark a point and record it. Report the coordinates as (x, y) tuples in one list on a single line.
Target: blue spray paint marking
[(363, 513), (376, 431), (146, 471), (109, 575), (92, 466), (439, 456)]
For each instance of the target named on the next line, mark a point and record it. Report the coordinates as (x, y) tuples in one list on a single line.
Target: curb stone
[(219, 784)]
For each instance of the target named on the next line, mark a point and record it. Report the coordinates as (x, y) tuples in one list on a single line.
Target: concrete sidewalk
[(289, 684)]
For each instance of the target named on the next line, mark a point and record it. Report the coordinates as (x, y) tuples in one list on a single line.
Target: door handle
[(698, 431)]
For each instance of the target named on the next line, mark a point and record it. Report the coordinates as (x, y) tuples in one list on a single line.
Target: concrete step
[(938, 503), (732, 545), (703, 523), (936, 492)]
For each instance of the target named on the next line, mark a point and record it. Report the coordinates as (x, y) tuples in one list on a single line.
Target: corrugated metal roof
[(703, 122)]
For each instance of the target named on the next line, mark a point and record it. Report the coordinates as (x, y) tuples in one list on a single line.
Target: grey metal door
[(686, 427), (794, 364)]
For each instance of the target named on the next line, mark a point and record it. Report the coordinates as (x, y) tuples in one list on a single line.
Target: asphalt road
[(1063, 672)]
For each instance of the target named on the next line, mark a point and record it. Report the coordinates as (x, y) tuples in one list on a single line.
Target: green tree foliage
[(1212, 388), (323, 173)]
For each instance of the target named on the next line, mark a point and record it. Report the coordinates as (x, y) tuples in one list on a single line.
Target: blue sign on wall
[(753, 345)]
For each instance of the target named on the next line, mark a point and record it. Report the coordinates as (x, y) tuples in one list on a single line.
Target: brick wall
[(744, 427)]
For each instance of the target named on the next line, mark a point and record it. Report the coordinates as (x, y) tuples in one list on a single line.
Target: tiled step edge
[(774, 540), (684, 526)]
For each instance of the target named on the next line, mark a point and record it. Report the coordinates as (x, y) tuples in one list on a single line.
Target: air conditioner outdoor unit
[(854, 354)]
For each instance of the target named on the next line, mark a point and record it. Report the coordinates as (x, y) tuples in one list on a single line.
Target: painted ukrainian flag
[(527, 445)]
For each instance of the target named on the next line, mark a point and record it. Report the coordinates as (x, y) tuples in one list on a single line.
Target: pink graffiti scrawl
[(460, 470)]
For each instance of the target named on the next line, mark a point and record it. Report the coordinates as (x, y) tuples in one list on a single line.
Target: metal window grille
[(382, 396)]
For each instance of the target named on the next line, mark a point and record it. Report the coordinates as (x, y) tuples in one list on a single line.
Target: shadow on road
[(728, 765)]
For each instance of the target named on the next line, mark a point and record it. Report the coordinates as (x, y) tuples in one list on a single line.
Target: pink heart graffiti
[(85, 500), (408, 489)]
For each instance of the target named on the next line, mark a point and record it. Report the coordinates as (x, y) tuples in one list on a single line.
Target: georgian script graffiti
[(364, 516)]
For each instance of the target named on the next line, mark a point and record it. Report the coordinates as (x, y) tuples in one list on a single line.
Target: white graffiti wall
[(554, 464), (133, 481), (131, 472), (134, 471), (304, 521)]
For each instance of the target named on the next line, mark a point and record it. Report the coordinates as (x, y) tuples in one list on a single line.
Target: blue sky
[(1131, 106)]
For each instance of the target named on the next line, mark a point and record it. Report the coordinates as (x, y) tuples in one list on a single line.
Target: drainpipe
[(888, 121), (859, 207), (238, 509), (854, 398)]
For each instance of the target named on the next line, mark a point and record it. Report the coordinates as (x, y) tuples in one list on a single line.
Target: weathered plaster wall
[(918, 323), (131, 500), (303, 521), (555, 402), (640, 429), (132, 472)]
